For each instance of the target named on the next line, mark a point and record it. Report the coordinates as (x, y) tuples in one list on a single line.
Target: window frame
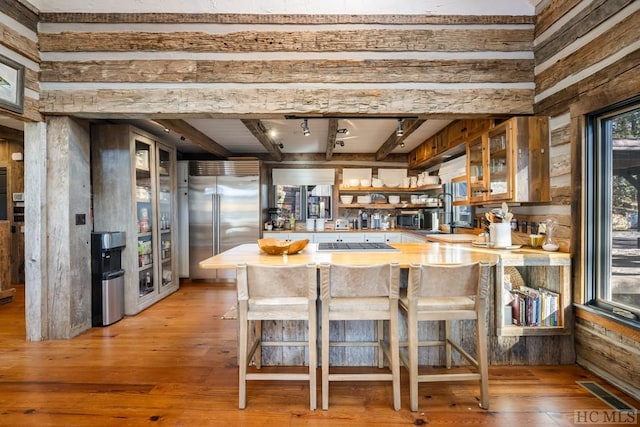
[(597, 204)]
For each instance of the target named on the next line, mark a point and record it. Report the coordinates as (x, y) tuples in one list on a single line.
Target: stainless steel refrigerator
[(224, 211)]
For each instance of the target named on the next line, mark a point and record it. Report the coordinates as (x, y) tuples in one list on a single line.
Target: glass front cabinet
[(133, 191), (510, 162)]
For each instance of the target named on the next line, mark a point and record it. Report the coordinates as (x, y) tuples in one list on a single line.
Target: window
[(612, 183)]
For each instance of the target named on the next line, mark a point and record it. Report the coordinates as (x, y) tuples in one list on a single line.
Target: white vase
[(500, 235)]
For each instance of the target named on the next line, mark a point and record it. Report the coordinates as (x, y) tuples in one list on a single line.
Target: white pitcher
[(500, 235)]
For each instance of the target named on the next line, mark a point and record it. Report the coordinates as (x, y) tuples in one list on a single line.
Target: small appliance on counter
[(419, 219), (341, 224)]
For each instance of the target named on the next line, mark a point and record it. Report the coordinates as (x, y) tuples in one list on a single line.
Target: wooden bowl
[(280, 247)]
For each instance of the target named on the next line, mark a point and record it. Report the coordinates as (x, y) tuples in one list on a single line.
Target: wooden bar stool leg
[(412, 332), (313, 361), (447, 343), (379, 339), (242, 359), (483, 363), (325, 357), (394, 351), (257, 356)]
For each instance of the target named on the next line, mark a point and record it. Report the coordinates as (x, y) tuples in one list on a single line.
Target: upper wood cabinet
[(510, 162), (446, 141)]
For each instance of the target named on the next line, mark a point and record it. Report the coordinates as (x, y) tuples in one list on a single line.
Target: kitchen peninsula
[(508, 343)]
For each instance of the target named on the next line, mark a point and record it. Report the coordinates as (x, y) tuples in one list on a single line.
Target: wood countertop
[(419, 253), (451, 238)]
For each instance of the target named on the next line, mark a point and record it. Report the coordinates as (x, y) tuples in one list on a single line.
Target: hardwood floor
[(175, 364)]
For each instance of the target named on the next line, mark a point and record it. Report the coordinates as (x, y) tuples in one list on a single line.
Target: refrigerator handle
[(216, 224)]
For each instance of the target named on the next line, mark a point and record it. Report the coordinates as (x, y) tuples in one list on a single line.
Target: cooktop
[(355, 247)]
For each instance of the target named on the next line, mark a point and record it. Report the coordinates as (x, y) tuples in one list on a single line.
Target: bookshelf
[(549, 275)]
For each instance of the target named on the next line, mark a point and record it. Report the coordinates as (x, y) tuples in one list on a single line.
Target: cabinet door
[(500, 163), (476, 170), (299, 236), (459, 190), (374, 237), (326, 237), (145, 202), (352, 237), (393, 237), (165, 218), (411, 238)]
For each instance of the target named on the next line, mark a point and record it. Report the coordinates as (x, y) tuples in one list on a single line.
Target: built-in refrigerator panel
[(202, 191), (183, 218), (224, 212), (238, 214)]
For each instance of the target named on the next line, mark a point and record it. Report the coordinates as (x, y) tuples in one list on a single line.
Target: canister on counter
[(523, 226)]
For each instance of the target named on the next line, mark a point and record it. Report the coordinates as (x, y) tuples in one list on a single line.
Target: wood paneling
[(590, 17), (279, 101), (554, 10), (5, 255), (289, 71), (601, 345), (20, 12), (379, 40), (11, 141), (620, 77), (19, 43), (612, 41), (282, 19), (560, 136)]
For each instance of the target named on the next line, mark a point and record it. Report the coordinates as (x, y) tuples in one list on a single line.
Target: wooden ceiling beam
[(258, 130), (408, 127), (331, 138), (195, 136)]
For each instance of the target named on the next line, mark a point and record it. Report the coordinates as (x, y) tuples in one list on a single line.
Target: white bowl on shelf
[(354, 182), (346, 199), (394, 200), (431, 180), (365, 183), (364, 199)]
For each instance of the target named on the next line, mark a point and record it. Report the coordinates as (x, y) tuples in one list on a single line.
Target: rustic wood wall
[(19, 42), (15, 184), (587, 57), (219, 65)]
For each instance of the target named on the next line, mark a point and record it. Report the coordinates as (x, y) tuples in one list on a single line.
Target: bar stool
[(275, 293), (446, 293), (361, 293)]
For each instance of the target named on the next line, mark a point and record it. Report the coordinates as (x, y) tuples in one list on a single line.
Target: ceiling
[(353, 135), (233, 137)]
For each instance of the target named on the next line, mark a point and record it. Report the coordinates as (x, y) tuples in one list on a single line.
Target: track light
[(305, 128), (343, 131), (402, 145), (281, 145), (340, 143), (399, 130)]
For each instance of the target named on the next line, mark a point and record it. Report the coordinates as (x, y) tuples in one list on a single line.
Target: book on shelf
[(534, 307)]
